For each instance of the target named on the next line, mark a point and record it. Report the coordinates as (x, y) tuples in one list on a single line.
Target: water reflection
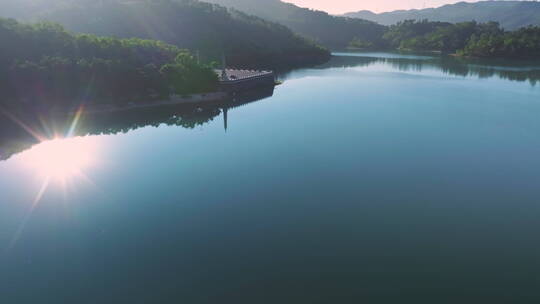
[(22, 128), (509, 70), (350, 183)]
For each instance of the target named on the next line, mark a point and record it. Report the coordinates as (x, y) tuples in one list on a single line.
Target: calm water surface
[(375, 178)]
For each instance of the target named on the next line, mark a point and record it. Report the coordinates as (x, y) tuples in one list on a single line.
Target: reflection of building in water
[(242, 99), (225, 118)]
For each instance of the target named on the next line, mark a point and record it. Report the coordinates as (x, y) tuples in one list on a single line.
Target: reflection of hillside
[(516, 71), (20, 129)]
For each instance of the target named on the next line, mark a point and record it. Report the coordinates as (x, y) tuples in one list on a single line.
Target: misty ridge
[(511, 15)]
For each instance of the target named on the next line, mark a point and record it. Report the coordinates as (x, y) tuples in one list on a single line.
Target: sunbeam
[(75, 122), (28, 214), (58, 162), (24, 126)]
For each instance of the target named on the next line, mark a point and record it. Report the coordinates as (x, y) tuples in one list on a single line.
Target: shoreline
[(173, 100)]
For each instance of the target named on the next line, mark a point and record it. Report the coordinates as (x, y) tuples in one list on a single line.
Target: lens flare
[(61, 159)]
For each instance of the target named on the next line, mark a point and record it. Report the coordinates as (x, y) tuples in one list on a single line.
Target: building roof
[(233, 74)]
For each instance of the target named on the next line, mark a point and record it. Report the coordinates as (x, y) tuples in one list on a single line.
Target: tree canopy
[(465, 39), (523, 43), (45, 63)]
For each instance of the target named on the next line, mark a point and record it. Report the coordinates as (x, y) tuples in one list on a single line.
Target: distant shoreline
[(437, 52)]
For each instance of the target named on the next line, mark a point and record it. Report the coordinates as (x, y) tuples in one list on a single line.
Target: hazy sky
[(343, 6)]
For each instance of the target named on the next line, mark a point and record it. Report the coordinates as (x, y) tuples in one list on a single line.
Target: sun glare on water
[(61, 159), (57, 160)]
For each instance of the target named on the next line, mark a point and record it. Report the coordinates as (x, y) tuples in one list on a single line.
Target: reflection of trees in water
[(14, 138), (515, 71), (18, 124), (186, 117)]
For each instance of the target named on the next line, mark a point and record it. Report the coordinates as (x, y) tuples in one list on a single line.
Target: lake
[(375, 178)]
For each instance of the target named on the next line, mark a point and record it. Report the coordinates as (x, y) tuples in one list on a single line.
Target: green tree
[(185, 75)]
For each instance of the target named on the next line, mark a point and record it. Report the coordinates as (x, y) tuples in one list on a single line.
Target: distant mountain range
[(330, 31), (510, 14)]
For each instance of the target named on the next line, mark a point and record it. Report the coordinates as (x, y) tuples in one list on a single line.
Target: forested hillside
[(42, 65), (205, 28), (331, 31), (510, 14), (465, 38), (523, 44)]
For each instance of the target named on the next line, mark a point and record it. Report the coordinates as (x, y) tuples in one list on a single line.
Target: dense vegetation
[(45, 63), (466, 39), (203, 28), (331, 31), (511, 15), (523, 43), (411, 32)]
